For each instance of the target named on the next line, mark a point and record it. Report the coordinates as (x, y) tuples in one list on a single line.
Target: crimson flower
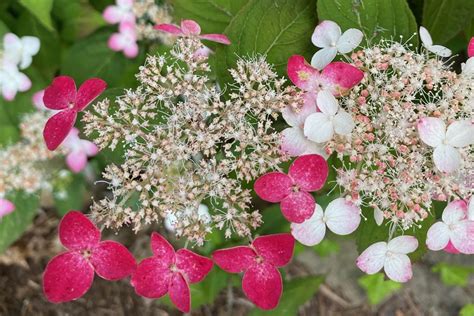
[(306, 174), (170, 272), (262, 282), (191, 28), (69, 275), (62, 95)]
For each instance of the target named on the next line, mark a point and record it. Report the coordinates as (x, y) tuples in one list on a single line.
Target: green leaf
[(207, 291), (91, 57), (453, 275), (78, 18), (444, 19), (275, 28), (41, 9), (467, 310), (296, 292), (377, 288), (326, 247), (69, 191), (13, 225), (3, 29), (377, 19), (212, 15)]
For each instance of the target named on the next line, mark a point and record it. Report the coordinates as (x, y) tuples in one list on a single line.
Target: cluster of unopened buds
[(317, 128), (16, 55)]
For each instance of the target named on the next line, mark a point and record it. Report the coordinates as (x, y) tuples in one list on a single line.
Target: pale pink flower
[(6, 207), (391, 256), (342, 217), (79, 151), (125, 40), (455, 228), (20, 51), (446, 142), (327, 36), (470, 210), (120, 12), (12, 81), (428, 44), (191, 28), (321, 126)]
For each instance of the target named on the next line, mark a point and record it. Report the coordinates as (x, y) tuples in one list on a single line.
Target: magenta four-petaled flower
[(69, 275), (307, 173), (170, 271)]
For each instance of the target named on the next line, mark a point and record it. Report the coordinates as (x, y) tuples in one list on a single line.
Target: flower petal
[(67, 277), (339, 77), (446, 158), (262, 284), (294, 143), (327, 103), (451, 249), (349, 40), (112, 261), (312, 230), (58, 127), (76, 161), (277, 249), (273, 186), (194, 267), (162, 249), (31, 46), (88, 91), (460, 134), (470, 48), (432, 131), (235, 259), (470, 211), (462, 237), (169, 28), (190, 27), (319, 128), (151, 278), (309, 172), (77, 232), (60, 93), (454, 212), (179, 293), (326, 34), (218, 38), (438, 236), (6, 207), (440, 50), (116, 42), (398, 267), (403, 244), (323, 57), (131, 50), (343, 123), (378, 216), (296, 119), (372, 259), (343, 217), (425, 36), (113, 14), (301, 73), (298, 206)]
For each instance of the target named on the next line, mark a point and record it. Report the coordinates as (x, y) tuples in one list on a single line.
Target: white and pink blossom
[(79, 150), (6, 207), (20, 51), (125, 40), (428, 44), (122, 11), (12, 81), (391, 256)]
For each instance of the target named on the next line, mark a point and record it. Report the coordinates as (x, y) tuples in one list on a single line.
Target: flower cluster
[(16, 55), (186, 143), (136, 19)]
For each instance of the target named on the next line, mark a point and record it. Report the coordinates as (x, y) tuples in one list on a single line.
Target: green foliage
[(41, 9), (14, 224), (446, 18), (206, 291), (68, 192), (297, 292), (96, 59), (467, 310), (453, 275), (326, 247), (377, 288), (377, 19), (275, 28)]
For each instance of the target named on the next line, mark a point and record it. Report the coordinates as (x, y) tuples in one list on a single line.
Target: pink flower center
[(174, 268), (295, 188), (70, 106), (86, 253), (259, 259)]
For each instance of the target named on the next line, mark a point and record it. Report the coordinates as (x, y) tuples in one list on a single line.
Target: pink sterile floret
[(69, 275), (470, 48), (170, 272), (306, 174), (6, 207), (262, 282), (191, 28), (78, 151), (337, 77), (62, 95), (125, 40)]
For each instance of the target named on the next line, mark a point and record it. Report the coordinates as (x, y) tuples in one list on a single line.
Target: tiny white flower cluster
[(187, 142), (15, 55)]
